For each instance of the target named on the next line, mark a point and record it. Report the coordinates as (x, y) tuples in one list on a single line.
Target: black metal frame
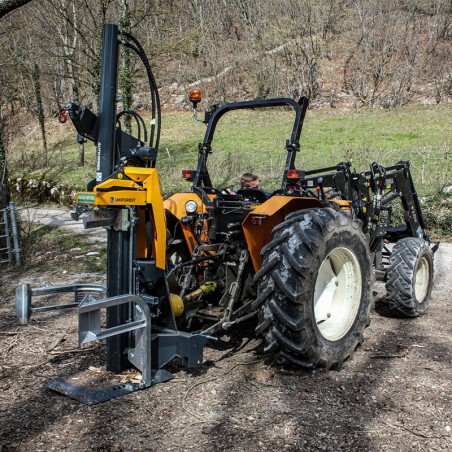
[(372, 193), (202, 178)]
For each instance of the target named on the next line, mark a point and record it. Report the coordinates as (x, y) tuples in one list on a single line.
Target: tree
[(4, 191), (125, 74), (36, 77), (6, 6)]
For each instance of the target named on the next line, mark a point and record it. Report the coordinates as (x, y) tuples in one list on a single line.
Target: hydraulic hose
[(155, 98), (139, 121)]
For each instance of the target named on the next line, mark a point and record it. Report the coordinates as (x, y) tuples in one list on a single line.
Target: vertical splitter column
[(107, 102), (118, 248)]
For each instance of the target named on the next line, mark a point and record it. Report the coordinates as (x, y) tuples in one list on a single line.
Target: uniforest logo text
[(114, 200)]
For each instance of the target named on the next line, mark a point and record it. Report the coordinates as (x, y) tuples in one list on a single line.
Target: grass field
[(254, 141)]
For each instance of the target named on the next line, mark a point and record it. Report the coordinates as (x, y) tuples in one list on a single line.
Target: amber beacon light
[(195, 96)]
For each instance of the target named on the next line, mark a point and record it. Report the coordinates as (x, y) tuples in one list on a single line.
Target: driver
[(250, 180)]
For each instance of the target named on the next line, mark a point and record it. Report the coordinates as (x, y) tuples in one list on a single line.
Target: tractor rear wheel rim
[(422, 279), (337, 293)]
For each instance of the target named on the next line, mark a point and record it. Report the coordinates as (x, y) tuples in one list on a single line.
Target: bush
[(437, 210), (41, 190)]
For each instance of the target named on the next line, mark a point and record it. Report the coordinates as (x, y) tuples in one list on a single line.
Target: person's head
[(250, 180)]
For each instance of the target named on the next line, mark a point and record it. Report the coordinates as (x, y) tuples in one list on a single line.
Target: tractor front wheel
[(314, 288), (410, 277)]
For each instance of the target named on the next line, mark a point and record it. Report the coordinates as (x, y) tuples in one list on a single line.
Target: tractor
[(295, 268)]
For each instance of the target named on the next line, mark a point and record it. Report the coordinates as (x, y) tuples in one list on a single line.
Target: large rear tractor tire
[(410, 277), (314, 289)]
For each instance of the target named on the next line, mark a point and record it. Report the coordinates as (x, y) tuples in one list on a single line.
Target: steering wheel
[(253, 194)]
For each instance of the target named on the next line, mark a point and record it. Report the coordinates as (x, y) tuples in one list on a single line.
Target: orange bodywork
[(176, 205), (272, 213)]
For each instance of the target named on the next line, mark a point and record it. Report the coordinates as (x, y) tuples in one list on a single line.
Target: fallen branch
[(72, 350), (55, 344), (383, 356), (411, 431), (36, 328), (36, 366), (188, 391), (47, 361), (11, 345)]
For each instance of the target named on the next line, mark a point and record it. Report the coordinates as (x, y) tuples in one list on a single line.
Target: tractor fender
[(258, 224)]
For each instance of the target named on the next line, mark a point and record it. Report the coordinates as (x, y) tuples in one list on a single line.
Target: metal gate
[(9, 236)]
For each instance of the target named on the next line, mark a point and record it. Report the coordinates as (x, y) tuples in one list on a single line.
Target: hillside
[(337, 52)]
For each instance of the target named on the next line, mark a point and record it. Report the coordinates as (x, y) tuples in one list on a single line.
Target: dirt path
[(395, 394), (61, 217)]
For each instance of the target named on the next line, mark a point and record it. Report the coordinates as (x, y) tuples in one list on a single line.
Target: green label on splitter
[(85, 198)]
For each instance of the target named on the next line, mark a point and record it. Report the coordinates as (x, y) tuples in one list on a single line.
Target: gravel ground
[(395, 394)]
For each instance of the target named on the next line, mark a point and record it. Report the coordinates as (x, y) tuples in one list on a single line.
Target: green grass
[(402, 128), (254, 141)]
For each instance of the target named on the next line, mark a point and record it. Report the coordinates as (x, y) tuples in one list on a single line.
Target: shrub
[(41, 190), (437, 210)]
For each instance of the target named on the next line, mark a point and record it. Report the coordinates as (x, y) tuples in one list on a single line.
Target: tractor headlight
[(191, 206)]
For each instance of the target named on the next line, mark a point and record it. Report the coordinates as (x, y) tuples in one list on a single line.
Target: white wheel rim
[(337, 293), (422, 278)]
